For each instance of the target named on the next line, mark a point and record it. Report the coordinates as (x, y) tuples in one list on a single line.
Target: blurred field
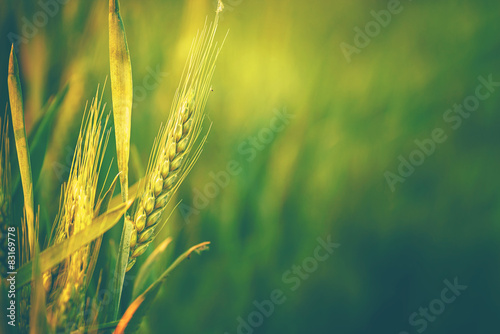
[(322, 174)]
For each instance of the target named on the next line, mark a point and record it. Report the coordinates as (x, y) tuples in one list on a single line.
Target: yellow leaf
[(17, 111), (122, 91)]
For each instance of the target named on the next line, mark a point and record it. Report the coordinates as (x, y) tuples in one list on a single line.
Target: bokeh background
[(321, 175)]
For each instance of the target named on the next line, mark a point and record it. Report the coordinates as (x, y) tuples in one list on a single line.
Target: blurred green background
[(321, 175)]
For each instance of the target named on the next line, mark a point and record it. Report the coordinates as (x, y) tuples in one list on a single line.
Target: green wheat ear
[(77, 212), (174, 152)]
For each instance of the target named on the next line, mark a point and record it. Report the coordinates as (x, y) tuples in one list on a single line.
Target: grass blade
[(57, 253), (39, 137), (121, 268), (17, 111), (129, 313), (141, 280), (122, 94), (121, 88), (38, 313), (139, 307)]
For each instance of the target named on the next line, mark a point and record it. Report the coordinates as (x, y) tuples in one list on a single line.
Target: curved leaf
[(141, 280), (120, 268), (57, 253), (139, 307)]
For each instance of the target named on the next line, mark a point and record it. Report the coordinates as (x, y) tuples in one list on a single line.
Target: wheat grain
[(172, 156)]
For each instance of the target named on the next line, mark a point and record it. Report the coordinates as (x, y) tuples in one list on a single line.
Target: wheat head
[(174, 152), (67, 298)]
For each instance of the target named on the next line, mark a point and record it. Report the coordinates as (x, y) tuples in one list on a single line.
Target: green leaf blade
[(141, 280), (122, 91), (138, 308), (17, 115), (57, 253)]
